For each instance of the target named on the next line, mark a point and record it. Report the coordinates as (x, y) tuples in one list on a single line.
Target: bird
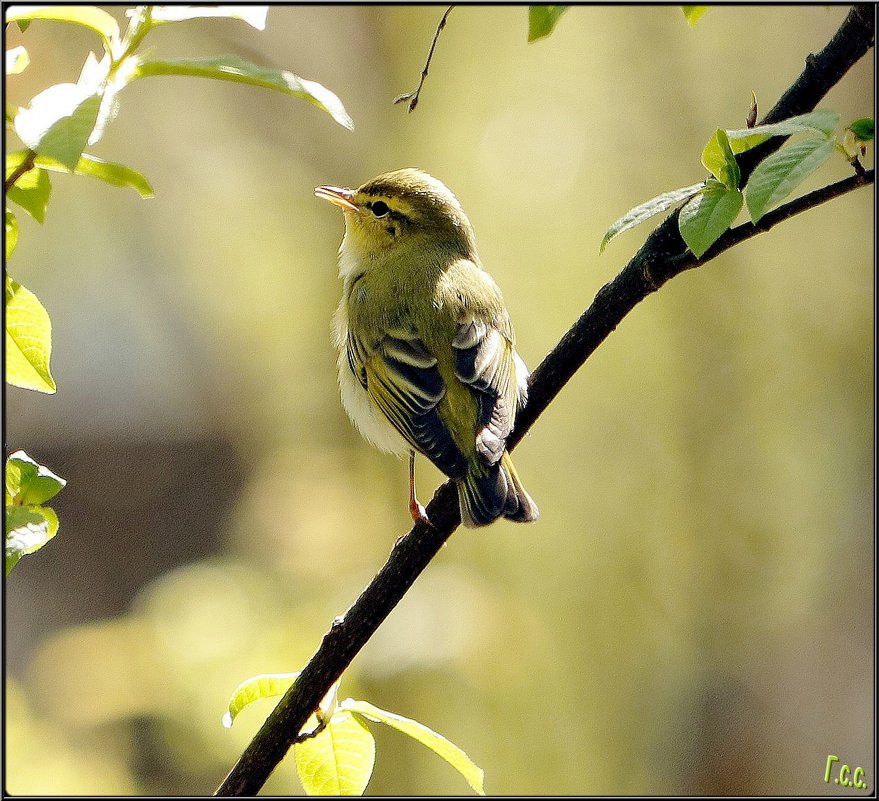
[(427, 360)]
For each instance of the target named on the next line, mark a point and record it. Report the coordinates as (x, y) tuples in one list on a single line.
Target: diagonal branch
[(662, 257)]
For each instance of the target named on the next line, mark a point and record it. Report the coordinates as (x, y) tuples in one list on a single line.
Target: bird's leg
[(418, 512)]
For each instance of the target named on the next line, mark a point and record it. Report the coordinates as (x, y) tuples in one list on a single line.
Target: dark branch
[(412, 97), (661, 258), (821, 73)]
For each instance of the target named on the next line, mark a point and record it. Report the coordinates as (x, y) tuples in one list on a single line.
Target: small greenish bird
[(427, 359)]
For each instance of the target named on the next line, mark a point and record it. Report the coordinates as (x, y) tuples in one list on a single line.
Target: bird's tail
[(488, 492)]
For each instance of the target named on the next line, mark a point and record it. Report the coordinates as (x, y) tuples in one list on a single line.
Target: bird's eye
[(379, 208)]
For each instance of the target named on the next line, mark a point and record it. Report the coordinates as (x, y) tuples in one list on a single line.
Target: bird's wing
[(402, 378), (486, 360)]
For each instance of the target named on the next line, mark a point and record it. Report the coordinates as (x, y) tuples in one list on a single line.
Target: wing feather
[(403, 379), (486, 360)]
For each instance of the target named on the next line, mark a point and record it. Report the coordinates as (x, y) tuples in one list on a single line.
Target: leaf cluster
[(56, 128), (713, 204), (336, 756), (30, 524)]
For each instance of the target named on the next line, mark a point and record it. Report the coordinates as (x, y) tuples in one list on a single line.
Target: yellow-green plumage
[(427, 359)]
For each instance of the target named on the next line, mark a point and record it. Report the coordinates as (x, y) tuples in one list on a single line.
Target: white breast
[(365, 415)]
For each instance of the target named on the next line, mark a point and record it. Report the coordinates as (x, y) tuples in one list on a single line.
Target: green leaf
[(418, 731), (265, 685), (255, 16), (107, 171), (89, 16), (32, 189), (693, 14), (863, 129), (338, 760), (59, 121), (16, 60), (647, 210), (11, 233), (28, 528), (234, 68), (28, 483), (718, 159), (820, 121), (706, 216), (779, 174), (28, 340), (542, 20)]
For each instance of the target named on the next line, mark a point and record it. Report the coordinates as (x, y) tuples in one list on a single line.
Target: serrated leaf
[(255, 16), (718, 159), (17, 60), (705, 218), (31, 191), (28, 528), (647, 210), (234, 68), (11, 233), (29, 483), (779, 174), (59, 121), (820, 121), (542, 20), (28, 340), (107, 171), (337, 761), (265, 685), (693, 14), (424, 735), (88, 16), (863, 129)]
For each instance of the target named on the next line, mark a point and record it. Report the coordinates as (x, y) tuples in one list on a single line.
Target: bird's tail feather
[(488, 492)]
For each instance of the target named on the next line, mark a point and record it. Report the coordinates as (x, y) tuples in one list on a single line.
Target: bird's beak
[(337, 195)]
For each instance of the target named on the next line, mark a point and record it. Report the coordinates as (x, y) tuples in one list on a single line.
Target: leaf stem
[(26, 166), (139, 26)]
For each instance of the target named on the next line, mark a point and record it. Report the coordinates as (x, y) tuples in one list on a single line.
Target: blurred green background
[(693, 613)]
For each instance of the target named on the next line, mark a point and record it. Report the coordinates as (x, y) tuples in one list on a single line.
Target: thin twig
[(412, 97), (26, 166)]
